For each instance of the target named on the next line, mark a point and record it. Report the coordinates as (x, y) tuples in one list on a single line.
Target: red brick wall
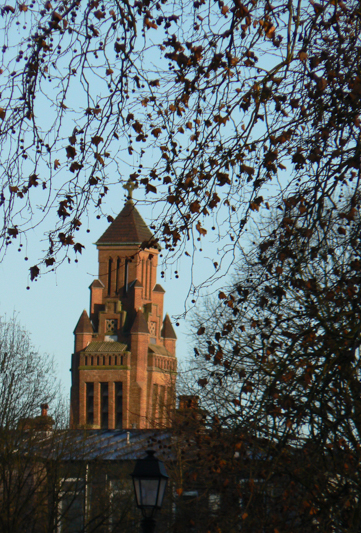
[(81, 341), (109, 376), (96, 298), (138, 380), (139, 370), (169, 344)]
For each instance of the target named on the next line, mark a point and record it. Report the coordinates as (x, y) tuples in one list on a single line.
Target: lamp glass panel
[(149, 492), (136, 482), (162, 487)]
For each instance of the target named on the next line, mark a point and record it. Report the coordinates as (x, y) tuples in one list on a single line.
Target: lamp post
[(150, 481)]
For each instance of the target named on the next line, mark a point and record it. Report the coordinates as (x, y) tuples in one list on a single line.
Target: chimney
[(188, 402), (44, 409), (189, 414)]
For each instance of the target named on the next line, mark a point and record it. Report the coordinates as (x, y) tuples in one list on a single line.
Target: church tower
[(124, 362)]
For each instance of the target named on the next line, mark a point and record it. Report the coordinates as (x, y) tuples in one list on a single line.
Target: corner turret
[(168, 334), (83, 332)]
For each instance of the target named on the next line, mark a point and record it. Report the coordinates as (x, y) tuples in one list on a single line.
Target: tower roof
[(105, 347), (84, 325), (167, 330), (97, 284), (127, 228), (158, 288), (140, 325)]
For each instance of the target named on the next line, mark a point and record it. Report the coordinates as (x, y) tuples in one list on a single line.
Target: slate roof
[(120, 445), (167, 330), (105, 347), (113, 445), (84, 325), (127, 228)]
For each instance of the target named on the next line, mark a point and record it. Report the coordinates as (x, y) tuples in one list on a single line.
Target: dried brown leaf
[(200, 230), (34, 272), (97, 140), (70, 152), (99, 14)]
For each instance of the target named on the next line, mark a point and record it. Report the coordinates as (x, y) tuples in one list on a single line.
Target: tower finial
[(130, 186)]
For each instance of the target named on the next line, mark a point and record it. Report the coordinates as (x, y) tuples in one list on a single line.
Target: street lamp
[(150, 481)]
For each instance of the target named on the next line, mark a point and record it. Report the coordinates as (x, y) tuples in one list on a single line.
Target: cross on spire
[(130, 186)]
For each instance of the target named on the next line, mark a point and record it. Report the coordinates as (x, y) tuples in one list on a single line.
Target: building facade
[(124, 362)]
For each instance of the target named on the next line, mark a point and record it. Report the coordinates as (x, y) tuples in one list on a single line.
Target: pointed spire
[(84, 325), (140, 324), (167, 330), (128, 228), (158, 288)]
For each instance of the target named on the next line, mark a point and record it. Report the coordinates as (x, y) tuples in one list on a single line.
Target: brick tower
[(124, 363)]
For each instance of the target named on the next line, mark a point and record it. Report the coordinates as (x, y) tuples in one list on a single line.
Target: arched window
[(89, 403), (150, 267), (104, 405), (110, 266), (117, 276), (126, 277), (118, 405)]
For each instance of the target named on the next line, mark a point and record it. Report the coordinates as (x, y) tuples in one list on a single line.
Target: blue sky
[(52, 306), (50, 309)]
